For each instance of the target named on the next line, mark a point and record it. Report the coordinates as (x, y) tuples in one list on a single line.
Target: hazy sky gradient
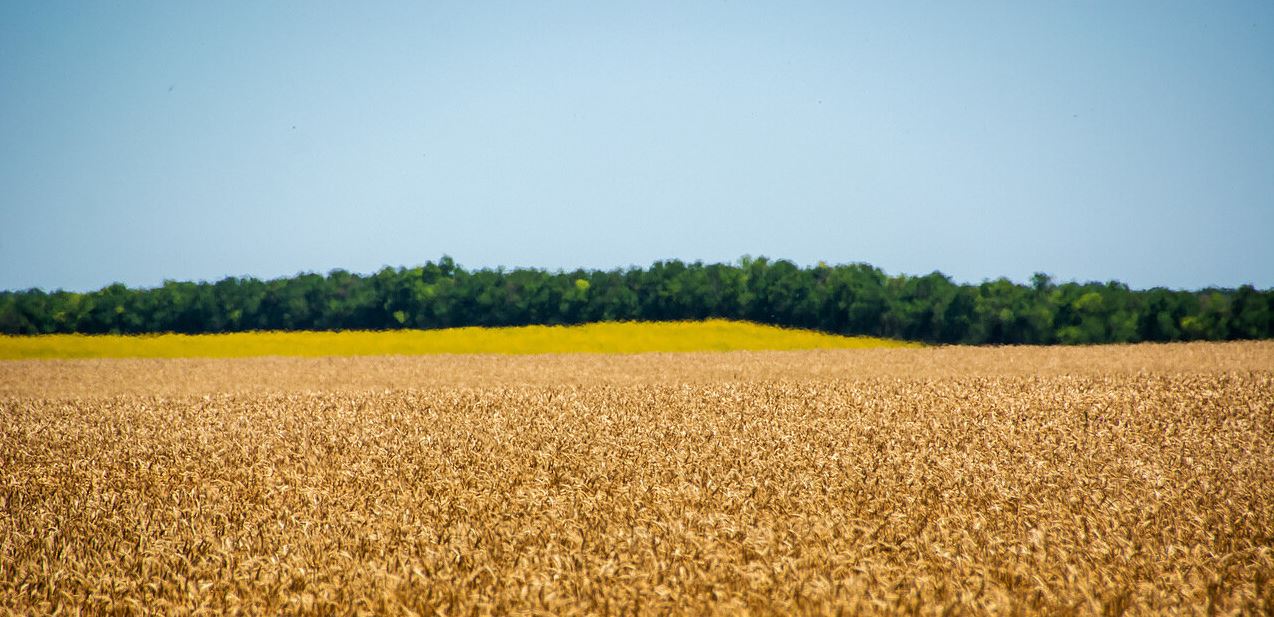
[(1094, 141)]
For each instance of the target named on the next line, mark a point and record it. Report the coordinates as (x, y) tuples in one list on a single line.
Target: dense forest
[(845, 299)]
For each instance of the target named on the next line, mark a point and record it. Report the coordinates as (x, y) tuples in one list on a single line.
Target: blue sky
[(1093, 141)]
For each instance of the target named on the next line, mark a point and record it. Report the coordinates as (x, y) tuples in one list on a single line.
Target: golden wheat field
[(934, 481)]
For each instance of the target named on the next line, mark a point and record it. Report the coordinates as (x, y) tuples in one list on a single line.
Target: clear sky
[(181, 140)]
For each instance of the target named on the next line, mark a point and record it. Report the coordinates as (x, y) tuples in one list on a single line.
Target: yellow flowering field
[(614, 337)]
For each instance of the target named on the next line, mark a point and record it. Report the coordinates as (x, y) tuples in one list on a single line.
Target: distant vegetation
[(855, 299), (626, 337)]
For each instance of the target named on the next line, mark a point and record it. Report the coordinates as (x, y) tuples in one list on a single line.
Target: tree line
[(843, 299)]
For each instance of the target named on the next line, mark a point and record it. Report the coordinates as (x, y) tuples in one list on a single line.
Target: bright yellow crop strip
[(627, 337)]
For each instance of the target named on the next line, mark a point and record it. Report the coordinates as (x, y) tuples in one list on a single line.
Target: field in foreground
[(610, 337), (1105, 480)]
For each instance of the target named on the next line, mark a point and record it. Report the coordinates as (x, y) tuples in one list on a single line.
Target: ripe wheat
[(1110, 480)]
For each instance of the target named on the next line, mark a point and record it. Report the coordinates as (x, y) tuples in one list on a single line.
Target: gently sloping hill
[(613, 337)]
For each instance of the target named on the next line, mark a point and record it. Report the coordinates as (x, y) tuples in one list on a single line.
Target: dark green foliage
[(845, 299)]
